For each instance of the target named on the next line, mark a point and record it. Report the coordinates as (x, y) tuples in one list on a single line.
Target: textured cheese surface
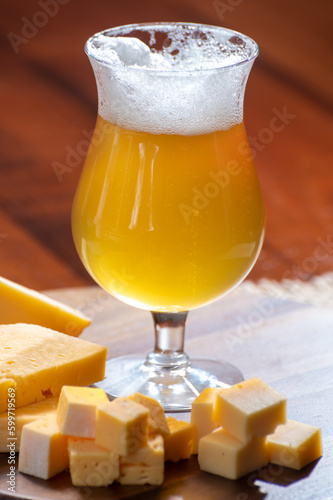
[(76, 413), (36, 360), (202, 413), (157, 421), (25, 415), (294, 444), (121, 425), (150, 453), (91, 465), (141, 474), (221, 454), (250, 408), (43, 449), (179, 443), (19, 304)]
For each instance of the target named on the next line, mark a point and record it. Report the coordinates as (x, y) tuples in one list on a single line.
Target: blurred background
[(48, 105)]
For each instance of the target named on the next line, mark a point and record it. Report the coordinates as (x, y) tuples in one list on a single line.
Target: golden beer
[(168, 222)]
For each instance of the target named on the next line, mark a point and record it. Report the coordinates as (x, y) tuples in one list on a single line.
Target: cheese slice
[(76, 414), (91, 465), (121, 425), (249, 409), (36, 361), (221, 454), (179, 443), (19, 304), (294, 445), (43, 451), (25, 415), (201, 414)]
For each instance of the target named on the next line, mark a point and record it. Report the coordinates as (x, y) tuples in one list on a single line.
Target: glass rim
[(153, 25)]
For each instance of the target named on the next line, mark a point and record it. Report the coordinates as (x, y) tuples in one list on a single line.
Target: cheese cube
[(150, 453), (35, 360), (201, 414), (24, 305), (76, 415), (145, 465), (221, 454), (249, 409), (43, 451), (91, 465), (157, 422), (141, 474), (294, 445), (178, 444), (25, 415), (121, 425)]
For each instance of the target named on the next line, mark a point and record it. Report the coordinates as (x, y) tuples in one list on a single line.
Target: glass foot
[(174, 388)]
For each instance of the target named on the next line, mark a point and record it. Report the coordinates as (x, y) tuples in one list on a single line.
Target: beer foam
[(165, 80)]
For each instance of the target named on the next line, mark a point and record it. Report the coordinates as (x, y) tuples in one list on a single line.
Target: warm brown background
[(48, 101)]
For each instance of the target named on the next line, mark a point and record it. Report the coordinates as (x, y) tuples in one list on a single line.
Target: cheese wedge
[(249, 409), (201, 414), (43, 451), (24, 305), (76, 414), (121, 425), (221, 454), (38, 361), (179, 443), (25, 415), (294, 445), (91, 465)]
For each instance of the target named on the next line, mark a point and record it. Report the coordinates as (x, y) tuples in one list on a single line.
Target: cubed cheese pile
[(125, 440), (242, 428), (234, 431)]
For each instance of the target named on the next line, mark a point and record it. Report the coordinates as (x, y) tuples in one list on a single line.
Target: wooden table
[(286, 343)]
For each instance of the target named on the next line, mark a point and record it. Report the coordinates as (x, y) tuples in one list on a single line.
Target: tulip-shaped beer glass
[(168, 215)]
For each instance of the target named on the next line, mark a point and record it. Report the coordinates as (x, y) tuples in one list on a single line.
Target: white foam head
[(176, 78)]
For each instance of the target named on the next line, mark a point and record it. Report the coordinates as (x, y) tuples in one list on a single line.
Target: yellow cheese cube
[(141, 474), (25, 415), (157, 422), (36, 360), (43, 450), (294, 445), (91, 465), (201, 414), (145, 465), (249, 409), (23, 305), (150, 453), (221, 454), (76, 413), (178, 444), (121, 425)]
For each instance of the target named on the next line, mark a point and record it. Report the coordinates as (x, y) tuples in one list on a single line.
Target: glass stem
[(169, 341)]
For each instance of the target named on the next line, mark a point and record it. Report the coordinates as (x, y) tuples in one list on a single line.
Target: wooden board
[(287, 344)]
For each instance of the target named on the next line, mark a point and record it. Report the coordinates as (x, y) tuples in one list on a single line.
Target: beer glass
[(168, 215)]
